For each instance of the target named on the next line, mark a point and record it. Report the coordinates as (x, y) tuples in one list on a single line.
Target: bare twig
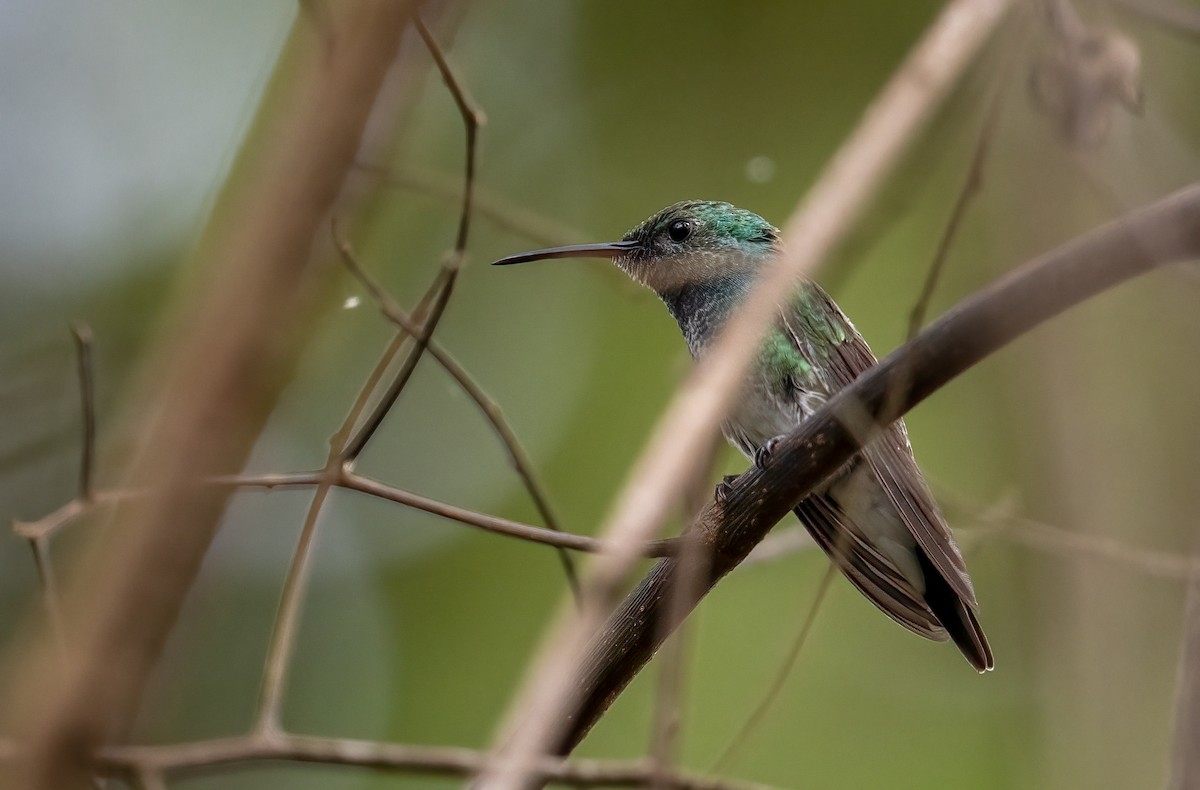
[(45, 569), (82, 334), (1075, 545), (785, 669), (216, 373), (500, 212), (432, 760), (472, 117), (354, 481), (491, 412), (977, 327), (359, 442), (52, 522), (972, 184), (283, 636), (548, 697)]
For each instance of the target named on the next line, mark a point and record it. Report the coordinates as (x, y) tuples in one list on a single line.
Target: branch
[(661, 475), (1165, 232), (209, 387), (501, 212), (491, 412), (432, 760), (82, 334), (1185, 756)]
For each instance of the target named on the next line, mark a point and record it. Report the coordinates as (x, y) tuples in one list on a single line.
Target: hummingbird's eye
[(679, 230)]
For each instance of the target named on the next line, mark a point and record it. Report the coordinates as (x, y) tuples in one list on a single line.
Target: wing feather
[(844, 355), (867, 569)]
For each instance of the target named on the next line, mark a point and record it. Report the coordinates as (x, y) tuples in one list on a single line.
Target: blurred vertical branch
[(209, 386), (1185, 753)]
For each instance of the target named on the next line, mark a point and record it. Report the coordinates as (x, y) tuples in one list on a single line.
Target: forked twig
[(491, 412), (347, 444), (472, 116), (283, 636), (383, 407)]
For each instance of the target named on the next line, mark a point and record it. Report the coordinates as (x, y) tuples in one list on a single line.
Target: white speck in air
[(760, 169)]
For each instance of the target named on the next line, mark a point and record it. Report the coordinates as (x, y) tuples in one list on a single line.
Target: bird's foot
[(763, 453), (724, 488)]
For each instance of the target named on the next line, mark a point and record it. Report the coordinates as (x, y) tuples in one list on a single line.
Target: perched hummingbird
[(875, 518)]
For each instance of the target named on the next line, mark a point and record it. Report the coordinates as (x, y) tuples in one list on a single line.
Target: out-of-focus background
[(1067, 461)]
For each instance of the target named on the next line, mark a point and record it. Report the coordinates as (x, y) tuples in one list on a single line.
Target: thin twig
[(283, 636), (970, 189), (384, 406), (45, 569), (82, 334), (472, 117), (785, 669), (501, 526), (53, 521), (1074, 545), (519, 221), (491, 412), (546, 701), (287, 620), (354, 481), (431, 760)]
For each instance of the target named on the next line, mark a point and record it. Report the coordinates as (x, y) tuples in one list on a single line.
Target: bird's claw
[(764, 452), (724, 488)]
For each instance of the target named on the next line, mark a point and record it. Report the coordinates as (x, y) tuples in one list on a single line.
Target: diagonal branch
[(491, 412), (669, 461), (283, 635), (1165, 232)]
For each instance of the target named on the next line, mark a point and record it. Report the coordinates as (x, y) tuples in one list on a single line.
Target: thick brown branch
[(1165, 232)]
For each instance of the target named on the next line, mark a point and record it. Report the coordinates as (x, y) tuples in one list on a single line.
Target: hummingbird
[(875, 517)]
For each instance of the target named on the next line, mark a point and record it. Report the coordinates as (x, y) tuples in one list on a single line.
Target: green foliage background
[(599, 113)]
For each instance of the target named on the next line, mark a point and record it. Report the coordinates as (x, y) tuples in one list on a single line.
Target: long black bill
[(612, 249)]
